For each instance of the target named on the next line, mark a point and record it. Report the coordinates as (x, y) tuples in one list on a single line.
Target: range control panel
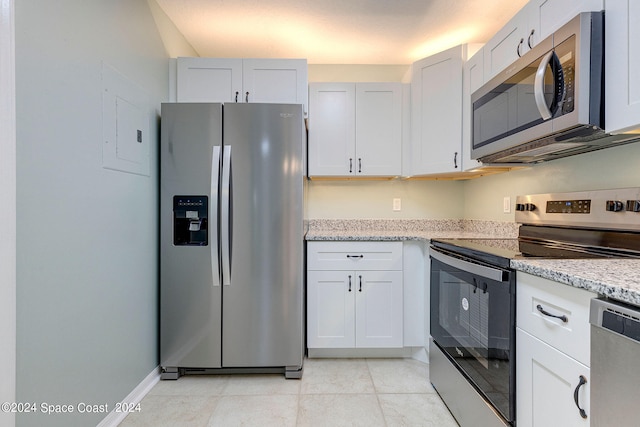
[(606, 209), (569, 206)]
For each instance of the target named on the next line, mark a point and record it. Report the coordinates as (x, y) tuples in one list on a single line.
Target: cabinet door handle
[(360, 290), (359, 165), (529, 39), (546, 313), (349, 283), (355, 256), (237, 93), (582, 382), (350, 165), (518, 48), (246, 99), (455, 160)]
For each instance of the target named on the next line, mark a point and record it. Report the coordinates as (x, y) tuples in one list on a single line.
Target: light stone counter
[(418, 229), (618, 279)]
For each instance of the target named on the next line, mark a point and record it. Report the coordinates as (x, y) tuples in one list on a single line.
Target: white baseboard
[(418, 353), (138, 393)]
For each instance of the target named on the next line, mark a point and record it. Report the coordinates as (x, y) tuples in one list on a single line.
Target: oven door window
[(472, 320)]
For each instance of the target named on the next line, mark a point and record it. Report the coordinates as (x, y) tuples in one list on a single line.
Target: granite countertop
[(418, 229), (618, 279)]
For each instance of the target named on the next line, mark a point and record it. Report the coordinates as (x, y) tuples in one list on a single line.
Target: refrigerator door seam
[(226, 223)]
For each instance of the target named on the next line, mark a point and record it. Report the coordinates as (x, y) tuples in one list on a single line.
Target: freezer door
[(190, 290), (263, 250)]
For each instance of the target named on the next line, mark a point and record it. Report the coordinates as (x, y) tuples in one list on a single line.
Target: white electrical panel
[(125, 124)]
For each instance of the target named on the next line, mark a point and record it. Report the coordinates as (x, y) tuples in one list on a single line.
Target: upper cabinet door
[(436, 107), (355, 129), (332, 130), (208, 79), (537, 20), (509, 43), (546, 16), (473, 79), (280, 81), (622, 47), (378, 129)]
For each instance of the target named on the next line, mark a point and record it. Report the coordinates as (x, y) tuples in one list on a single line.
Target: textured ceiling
[(336, 31)]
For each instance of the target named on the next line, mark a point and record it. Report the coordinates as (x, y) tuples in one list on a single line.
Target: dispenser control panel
[(190, 220)]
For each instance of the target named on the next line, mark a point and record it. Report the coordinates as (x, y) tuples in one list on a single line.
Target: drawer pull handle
[(546, 313), (582, 382), (355, 256)]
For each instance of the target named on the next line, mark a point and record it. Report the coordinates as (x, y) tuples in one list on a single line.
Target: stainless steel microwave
[(549, 103)]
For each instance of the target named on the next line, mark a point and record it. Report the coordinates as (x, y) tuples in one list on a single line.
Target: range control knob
[(519, 206), (614, 206), (529, 207), (633, 205)]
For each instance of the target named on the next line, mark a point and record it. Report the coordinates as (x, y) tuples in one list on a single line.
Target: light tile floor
[(332, 392)]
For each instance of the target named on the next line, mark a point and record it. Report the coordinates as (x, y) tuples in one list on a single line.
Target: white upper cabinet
[(509, 43), (472, 80), (208, 80), (436, 108), (534, 22), (546, 16), (379, 129), (242, 80), (622, 65), (280, 81), (355, 129), (332, 129)]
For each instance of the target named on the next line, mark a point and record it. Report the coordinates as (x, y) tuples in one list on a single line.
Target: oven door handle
[(471, 267)]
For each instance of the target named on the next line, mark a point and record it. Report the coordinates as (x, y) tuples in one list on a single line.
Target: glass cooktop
[(547, 242)]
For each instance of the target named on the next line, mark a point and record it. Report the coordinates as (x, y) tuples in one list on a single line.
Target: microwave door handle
[(538, 87), (471, 267)]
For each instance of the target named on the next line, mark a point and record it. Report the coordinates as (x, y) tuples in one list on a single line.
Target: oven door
[(473, 323)]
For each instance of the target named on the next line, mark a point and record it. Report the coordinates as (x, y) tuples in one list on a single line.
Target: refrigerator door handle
[(213, 224), (225, 225)]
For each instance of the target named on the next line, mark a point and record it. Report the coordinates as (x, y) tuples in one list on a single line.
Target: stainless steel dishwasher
[(615, 363)]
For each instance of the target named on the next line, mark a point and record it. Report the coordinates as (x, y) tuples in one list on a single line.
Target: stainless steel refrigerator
[(232, 226)]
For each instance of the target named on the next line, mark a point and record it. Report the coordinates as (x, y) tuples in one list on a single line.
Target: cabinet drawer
[(354, 255), (539, 299)]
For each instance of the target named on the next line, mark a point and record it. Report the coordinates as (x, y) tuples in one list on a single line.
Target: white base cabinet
[(354, 309), (552, 353), (354, 295), (548, 381)]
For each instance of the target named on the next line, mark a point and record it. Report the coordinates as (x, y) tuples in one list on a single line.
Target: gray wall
[(87, 268), (616, 167)]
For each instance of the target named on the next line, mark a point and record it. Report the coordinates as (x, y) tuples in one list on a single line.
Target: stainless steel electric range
[(473, 292)]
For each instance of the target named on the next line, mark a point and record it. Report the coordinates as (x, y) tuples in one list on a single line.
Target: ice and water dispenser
[(190, 217)]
